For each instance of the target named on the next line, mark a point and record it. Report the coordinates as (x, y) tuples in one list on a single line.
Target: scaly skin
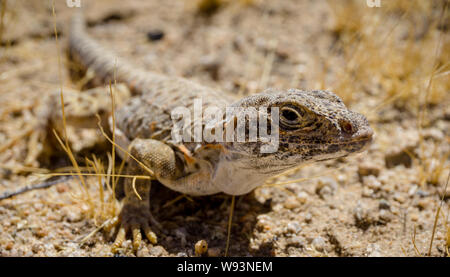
[(313, 126)]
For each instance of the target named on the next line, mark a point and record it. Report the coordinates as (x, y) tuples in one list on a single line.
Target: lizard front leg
[(135, 214)]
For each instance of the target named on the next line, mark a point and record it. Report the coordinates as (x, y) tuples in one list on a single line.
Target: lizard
[(313, 125)]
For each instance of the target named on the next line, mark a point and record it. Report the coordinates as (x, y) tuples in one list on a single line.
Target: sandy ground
[(379, 60)]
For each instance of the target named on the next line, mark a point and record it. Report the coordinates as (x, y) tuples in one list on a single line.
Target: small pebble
[(399, 157), (293, 227), (384, 216), (201, 247), (318, 243), (371, 182), (296, 241), (291, 203), (433, 133), (143, 252), (412, 190), (414, 217), (9, 245), (367, 192), (373, 250), (155, 35), (41, 232), (326, 186), (61, 188), (302, 197), (422, 193), (423, 204), (399, 198), (211, 65), (384, 204), (21, 224), (308, 218), (366, 169), (157, 251)]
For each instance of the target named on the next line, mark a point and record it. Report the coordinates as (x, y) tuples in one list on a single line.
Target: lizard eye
[(291, 116)]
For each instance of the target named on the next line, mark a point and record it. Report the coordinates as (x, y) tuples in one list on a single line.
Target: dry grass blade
[(65, 145), (413, 239), (437, 215), (230, 220), (99, 174)]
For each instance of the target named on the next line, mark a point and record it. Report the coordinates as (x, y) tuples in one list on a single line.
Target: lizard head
[(312, 126)]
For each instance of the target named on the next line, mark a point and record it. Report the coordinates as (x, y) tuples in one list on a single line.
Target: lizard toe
[(134, 220)]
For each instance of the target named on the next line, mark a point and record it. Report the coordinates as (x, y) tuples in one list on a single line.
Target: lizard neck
[(232, 177)]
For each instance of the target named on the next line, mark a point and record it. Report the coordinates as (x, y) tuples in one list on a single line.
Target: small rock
[(373, 250), (414, 217), (296, 241), (41, 232), (434, 134), (318, 243), (9, 245), (422, 204), (155, 35), (412, 190), (367, 192), (368, 169), (363, 218), (308, 217), (283, 52), (263, 224), (211, 64), (73, 216), (422, 193), (384, 217), (61, 188), (399, 198), (208, 7), (201, 247), (384, 204), (302, 197), (21, 224), (293, 227), (157, 251), (143, 252), (371, 182), (326, 186), (399, 157), (291, 203)]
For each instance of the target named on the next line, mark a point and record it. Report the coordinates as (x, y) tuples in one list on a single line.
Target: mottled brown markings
[(237, 167)]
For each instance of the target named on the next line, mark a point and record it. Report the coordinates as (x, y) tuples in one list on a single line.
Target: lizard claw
[(134, 219)]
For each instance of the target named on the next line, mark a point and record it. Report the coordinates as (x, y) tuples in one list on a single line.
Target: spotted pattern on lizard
[(313, 126)]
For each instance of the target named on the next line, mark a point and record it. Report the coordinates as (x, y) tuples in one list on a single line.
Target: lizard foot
[(135, 219)]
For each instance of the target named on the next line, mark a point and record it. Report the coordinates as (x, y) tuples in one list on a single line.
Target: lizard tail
[(106, 65), (88, 52)]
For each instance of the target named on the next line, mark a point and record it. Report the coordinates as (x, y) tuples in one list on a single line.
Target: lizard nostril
[(347, 127)]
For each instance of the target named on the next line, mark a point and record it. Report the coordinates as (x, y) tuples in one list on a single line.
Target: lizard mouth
[(358, 143), (347, 146)]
